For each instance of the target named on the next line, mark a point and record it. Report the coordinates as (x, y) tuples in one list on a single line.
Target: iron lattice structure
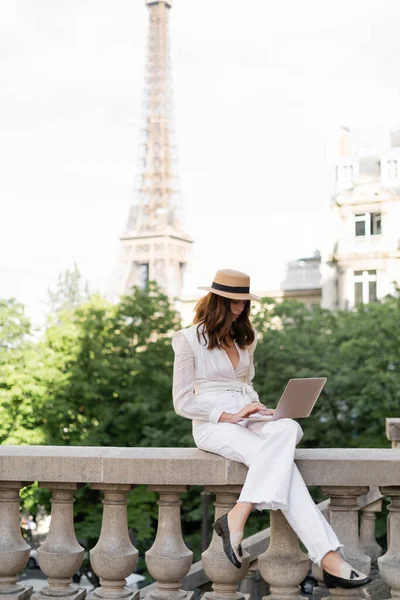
[(155, 245), (157, 204)]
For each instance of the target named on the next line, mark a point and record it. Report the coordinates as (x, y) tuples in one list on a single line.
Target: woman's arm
[(185, 402), (251, 370)]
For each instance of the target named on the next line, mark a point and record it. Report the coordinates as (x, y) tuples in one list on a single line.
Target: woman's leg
[(229, 440), (273, 480), (268, 481), (308, 522), (234, 442), (303, 515)]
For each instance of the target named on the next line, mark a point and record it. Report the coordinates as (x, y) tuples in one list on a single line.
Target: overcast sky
[(259, 89)]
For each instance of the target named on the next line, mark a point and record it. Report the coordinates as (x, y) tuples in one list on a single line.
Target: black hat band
[(230, 289)]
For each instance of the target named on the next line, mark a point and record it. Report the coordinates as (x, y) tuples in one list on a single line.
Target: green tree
[(359, 352), (21, 382), (114, 362), (70, 291), (111, 386)]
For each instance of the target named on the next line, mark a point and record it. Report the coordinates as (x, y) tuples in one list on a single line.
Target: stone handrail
[(345, 476), (189, 466)]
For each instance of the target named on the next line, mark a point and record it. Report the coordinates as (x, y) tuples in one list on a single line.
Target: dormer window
[(348, 171), (345, 174), (390, 168), (368, 224), (393, 169)]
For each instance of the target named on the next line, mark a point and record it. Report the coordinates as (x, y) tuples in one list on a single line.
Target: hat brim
[(229, 295)]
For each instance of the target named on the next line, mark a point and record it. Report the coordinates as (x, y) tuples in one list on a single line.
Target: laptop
[(297, 400)]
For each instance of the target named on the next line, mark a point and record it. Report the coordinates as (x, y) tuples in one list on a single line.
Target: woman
[(213, 373)]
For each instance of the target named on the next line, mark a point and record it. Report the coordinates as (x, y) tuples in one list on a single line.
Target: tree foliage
[(21, 385), (70, 291), (358, 351), (114, 373)]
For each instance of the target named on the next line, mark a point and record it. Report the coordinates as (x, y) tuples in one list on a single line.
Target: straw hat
[(231, 284)]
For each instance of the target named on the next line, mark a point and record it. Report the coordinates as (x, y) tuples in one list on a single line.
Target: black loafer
[(222, 529), (354, 580)]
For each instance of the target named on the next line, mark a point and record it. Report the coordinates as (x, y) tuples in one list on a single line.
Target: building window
[(348, 173), (345, 175), (376, 223), (368, 224), (393, 169), (364, 287), (360, 224)]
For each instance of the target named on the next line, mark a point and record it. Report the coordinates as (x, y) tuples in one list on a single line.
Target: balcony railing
[(346, 476)]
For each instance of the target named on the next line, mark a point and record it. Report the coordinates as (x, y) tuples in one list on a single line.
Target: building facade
[(364, 265), (154, 243)]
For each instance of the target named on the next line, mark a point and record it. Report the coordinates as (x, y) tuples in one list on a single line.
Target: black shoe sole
[(331, 581), (221, 528)]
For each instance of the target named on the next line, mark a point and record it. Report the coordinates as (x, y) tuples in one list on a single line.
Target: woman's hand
[(245, 412), (261, 408)]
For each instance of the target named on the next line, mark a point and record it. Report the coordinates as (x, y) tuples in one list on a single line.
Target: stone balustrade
[(345, 475)]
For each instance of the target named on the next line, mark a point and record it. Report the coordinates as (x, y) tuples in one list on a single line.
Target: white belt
[(233, 385)]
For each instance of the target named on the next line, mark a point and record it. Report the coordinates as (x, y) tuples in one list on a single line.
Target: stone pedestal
[(114, 557), (169, 560), (60, 556), (283, 565), (339, 594), (224, 575), (14, 551), (389, 563)]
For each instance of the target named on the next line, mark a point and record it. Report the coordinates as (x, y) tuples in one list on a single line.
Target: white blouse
[(205, 384)]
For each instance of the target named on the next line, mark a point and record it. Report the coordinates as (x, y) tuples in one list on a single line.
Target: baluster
[(344, 509), (283, 565), (248, 584), (320, 590), (368, 543), (14, 551), (114, 557), (389, 564), (169, 560), (60, 556), (393, 431), (218, 568)]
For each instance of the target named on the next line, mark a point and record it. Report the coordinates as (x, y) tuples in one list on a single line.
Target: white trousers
[(273, 480)]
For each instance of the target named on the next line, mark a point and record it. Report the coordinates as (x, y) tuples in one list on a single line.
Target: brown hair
[(214, 312)]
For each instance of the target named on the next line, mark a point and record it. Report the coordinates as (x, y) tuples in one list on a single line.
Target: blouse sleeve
[(251, 371), (185, 402)]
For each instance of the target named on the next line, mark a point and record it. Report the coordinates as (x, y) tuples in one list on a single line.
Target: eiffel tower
[(154, 244)]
